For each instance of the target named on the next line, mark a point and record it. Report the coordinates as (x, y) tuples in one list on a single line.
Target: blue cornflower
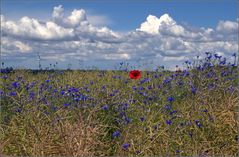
[(169, 122), (190, 134), (150, 87), (142, 119), (125, 106), (83, 97), (186, 73), (116, 134), (194, 90), (1, 92), (127, 120), (103, 87), (134, 87), (216, 55), (180, 82), (66, 104), (234, 54), (47, 81), (141, 88), (167, 80), (77, 99), (209, 57), (145, 80), (62, 92), (105, 107), (132, 101), (223, 62), (13, 93), (5, 77), (31, 95), (197, 122), (172, 112), (170, 99), (205, 110), (18, 110), (168, 106), (122, 114), (15, 84), (112, 95), (126, 146), (54, 108), (145, 102)]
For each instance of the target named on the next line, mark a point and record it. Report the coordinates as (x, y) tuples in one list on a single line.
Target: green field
[(105, 113)]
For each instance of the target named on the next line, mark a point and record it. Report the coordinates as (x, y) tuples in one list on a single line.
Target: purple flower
[(145, 80), (197, 122), (205, 110), (134, 87), (31, 95), (47, 81), (1, 92), (170, 99), (15, 84), (105, 107), (150, 87), (127, 120), (194, 90), (12, 93), (18, 110), (169, 122), (66, 104), (142, 119), (126, 146), (5, 77), (116, 134), (172, 112), (112, 95), (168, 107), (62, 92)]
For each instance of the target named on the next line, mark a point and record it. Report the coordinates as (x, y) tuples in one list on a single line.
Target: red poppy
[(135, 74)]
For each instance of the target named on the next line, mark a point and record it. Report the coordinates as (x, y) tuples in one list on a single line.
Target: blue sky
[(123, 17), (127, 15)]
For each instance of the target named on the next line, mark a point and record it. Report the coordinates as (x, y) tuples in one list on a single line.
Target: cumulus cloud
[(227, 27), (75, 37), (27, 28), (14, 46)]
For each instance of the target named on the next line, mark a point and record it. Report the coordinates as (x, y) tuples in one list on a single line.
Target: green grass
[(85, 129)]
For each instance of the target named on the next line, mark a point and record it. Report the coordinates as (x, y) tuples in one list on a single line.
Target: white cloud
[(74, 37), (27, 28), (14, 46), (227, 27), (152, 23)]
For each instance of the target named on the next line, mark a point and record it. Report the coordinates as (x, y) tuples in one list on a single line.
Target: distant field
[(83, 113)]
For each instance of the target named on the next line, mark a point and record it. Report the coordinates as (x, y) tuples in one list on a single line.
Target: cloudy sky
[(103, 33)]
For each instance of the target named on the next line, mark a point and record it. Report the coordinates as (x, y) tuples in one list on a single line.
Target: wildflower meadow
[(192, 111)]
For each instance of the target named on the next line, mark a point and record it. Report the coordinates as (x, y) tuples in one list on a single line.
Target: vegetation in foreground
[(83, 113)]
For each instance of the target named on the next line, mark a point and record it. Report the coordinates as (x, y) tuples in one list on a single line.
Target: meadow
[(189, 112)]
